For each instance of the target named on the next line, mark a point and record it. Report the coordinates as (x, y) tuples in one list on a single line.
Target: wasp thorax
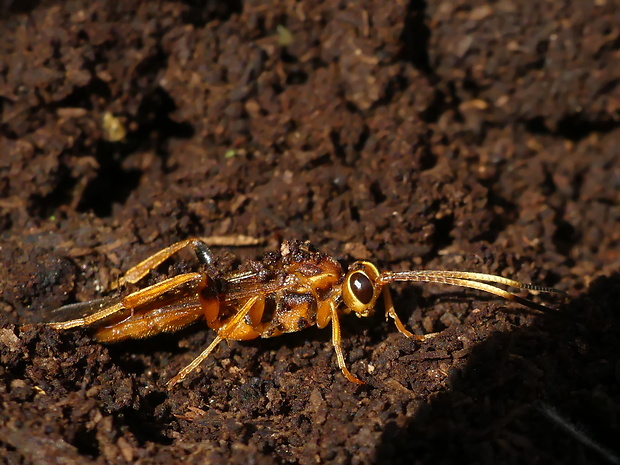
[(360, 289)]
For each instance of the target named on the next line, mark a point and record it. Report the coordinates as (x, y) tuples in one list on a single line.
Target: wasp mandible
[(284, 292)]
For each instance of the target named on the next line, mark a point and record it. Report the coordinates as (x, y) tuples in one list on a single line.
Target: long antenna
[(473, 281)]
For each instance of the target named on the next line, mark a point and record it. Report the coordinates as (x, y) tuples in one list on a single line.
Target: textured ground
[(451, 135)]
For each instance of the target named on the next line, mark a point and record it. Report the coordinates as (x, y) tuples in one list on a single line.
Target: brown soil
[(449, 135)]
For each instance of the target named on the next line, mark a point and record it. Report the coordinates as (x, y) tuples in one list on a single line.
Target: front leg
[(338, 347), (390, 312)]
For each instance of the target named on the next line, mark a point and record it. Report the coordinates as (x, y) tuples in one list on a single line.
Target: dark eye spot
[(361, 287)]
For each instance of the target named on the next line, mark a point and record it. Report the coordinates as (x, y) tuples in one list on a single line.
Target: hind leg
[(139, 271)]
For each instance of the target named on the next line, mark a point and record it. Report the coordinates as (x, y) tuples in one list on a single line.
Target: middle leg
[(223, 333)]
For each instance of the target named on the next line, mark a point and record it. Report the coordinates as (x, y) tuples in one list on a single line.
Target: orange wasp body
[(286, 291)]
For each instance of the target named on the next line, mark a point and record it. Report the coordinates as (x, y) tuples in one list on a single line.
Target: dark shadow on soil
[(113, 183), (519, 386), (573, 127), (201, 12), (13, 7), (415, 38)]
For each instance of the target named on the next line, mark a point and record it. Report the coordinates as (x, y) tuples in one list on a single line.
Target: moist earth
[(459, 135)]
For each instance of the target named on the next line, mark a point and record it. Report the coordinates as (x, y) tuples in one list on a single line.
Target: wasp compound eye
[(361, 287)]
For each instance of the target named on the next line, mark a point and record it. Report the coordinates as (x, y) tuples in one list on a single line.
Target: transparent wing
[(245, 285), (79, 309)]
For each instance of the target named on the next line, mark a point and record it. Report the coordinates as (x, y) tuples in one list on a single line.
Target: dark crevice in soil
[(565, 236), (363, 138), (573, 127), (85, 441), (377, 193), (415, 38), (443, 230), (548, 186), (427, 159), (154, 121), (202, 12), (499, 223), (393, 89), (577, 126), (9, 7), (610, 86), (145, 424), (471, 85), (113, 184), (84, 96), (44, 206), (445, 99), (437, 107)]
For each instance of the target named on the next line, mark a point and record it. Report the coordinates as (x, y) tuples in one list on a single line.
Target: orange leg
[(139, 271), (142, 325), (134, 300), (390, 312), (223, 333), (338, 347)]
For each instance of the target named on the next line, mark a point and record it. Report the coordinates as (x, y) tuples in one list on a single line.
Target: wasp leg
[(223, 333), (162, 320), (136, 299), (390, 312), (194, 364), (139, 271), (338, 347)]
